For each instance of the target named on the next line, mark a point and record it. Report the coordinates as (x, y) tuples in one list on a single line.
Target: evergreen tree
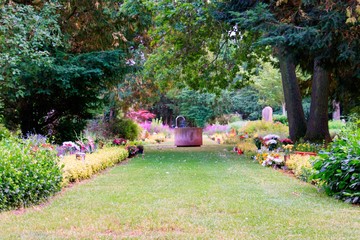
[(316, 35)]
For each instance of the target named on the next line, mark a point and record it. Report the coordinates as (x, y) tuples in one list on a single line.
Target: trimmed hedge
[(28, 174), (75, 170)]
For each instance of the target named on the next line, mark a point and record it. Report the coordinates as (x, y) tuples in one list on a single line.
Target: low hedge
[(28, 174), (75, 170)]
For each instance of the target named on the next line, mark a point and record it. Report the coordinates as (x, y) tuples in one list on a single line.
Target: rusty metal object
[(188, 137)]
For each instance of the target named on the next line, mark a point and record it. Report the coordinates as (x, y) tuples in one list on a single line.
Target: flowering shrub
[(273, 159), (156, 126), (238, 150), (271, 141), (216, 128), (288, 149), (68, 148), (140, 115), (286, 141), (132, 150), (119, 141)]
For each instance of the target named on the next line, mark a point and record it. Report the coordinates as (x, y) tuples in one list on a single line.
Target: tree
[(268, 84), (40, 95), (194, 48), (315, 34), (27, 37)]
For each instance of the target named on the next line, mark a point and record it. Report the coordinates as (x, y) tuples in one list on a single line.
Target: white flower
[(271, 136), (70, 144), (271, 141), (278, 160)]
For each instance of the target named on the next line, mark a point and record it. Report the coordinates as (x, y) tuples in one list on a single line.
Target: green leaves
[(339, 167), (27, 176), (26, 35)]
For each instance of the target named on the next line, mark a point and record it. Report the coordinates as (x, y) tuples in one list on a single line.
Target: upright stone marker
[(267, 114), (336, 112)]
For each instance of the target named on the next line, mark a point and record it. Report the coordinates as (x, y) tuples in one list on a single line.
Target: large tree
[(61, 58), (318, 36), (194, 47)]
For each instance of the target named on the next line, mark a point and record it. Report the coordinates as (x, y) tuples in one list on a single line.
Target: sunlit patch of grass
[(181, 193)]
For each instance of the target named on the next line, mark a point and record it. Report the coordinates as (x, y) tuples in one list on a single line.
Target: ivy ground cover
[(186, 193)]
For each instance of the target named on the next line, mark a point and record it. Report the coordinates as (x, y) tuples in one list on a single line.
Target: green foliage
[(53, 88), (193, 49), (336, 125), (268, 84), (28, 174), (58, 99), (124, 128), (339, 167), (196, 106), (308, 147), (4, 132), (26, 37), (280, 118), (246, 102)]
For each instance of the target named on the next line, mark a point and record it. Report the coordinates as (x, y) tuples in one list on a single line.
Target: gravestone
[(267, 114), (336, 112)]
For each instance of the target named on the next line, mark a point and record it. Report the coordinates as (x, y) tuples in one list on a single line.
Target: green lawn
[(187, 193)]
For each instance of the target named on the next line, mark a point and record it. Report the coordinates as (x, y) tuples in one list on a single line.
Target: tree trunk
[(295, 112), (317, 127)]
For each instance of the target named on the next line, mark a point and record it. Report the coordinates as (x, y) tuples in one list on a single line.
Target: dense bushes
[(76, 170), (125, 128), (339, 166), (28, 174)]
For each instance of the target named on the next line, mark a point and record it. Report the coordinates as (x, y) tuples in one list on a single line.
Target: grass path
[(187, 193)]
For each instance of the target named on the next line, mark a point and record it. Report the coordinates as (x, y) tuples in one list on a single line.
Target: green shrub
[(281, 118), (76, 170), (125, 128), (4, 132), (335, 127), (339, 167), (238, 124), (28, 174)]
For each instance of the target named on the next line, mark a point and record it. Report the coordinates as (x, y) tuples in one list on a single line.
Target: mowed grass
[(187, 193)]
